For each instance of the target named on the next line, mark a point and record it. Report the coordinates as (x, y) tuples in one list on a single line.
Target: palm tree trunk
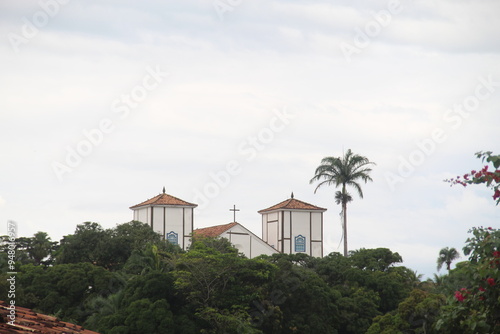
[(344, 209)]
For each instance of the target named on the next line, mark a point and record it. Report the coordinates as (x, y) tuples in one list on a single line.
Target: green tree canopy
[(107, 248), (380, 259), (64, 289)]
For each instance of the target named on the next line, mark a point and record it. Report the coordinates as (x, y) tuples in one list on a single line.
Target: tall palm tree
[(343, 171), (447, 255)]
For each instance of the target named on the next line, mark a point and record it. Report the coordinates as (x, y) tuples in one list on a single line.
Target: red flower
[(496, 254), (482, 289), (459, 296), (491, 281), (496, 194)]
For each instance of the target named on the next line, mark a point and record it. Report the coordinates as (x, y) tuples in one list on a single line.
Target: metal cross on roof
[(234, 213)]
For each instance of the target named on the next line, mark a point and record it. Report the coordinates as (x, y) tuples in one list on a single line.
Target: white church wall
[(265, 235), (300, 226), (238, 229), (188, 227), (241, 240), (270, 229), (317, 249), (280, 229), (175, 223), (272, 216), (142, 215), (259, 247), (175, 220), (168, 219), (165, 218), (316, 226), (188, 219), (286, 218), (272, 234), (247, 243), (158, 219), (317, 235), (287, 244)]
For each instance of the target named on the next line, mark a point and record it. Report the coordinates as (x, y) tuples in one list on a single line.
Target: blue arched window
[(173, 238), (300, 243)]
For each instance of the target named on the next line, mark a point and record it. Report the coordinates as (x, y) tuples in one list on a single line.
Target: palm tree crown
[(343, 171), (40, 247), (447, 255)]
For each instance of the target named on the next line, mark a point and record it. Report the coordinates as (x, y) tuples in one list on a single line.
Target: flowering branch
[(490, 178)]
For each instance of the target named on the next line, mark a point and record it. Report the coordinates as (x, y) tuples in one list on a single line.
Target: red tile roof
[(213, 231), (28, 321), (293, 204), (164, 199)]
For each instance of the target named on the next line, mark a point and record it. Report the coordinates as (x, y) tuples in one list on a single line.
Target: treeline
[(128, 280)]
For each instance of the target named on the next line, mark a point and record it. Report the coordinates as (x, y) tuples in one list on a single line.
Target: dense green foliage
[(128, 280), (106, 248), (475, 305), (140, 283), (37, 249)]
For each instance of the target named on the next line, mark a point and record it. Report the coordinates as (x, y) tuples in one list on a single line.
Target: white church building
[(170, 216), (291, 226), (241, 238)]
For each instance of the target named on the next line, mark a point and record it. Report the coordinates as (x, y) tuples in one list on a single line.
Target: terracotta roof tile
[(293, 204), (28, 321), (164, 199), (213, 231)]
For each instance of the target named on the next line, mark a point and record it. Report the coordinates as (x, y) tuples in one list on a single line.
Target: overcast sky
[(236, 102)]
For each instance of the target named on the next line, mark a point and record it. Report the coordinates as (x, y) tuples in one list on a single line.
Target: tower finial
[(292, 194), (164, 189)]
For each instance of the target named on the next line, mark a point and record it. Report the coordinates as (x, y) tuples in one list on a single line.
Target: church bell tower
[(294, 226), (168, 215)]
